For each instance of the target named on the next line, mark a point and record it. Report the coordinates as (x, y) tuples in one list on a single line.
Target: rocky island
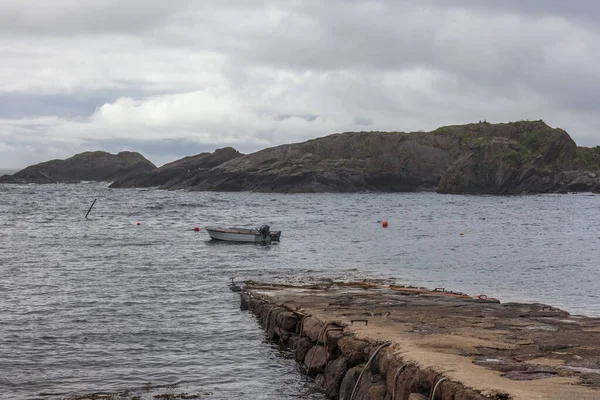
[(479, 158), (89, 166), (510, 158)]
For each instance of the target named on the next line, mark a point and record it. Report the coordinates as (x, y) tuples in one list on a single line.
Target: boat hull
[(244, 236)]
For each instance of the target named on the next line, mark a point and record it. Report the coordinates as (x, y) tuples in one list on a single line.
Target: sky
[(179, 77)]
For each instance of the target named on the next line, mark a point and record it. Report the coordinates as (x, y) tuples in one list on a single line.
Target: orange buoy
[(196, 229), (384, 223)]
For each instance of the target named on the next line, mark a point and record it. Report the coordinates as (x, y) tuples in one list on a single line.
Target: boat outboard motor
[(265, 231)]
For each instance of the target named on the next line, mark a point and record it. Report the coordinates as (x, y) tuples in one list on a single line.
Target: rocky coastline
[(383, 342), (481, 158)]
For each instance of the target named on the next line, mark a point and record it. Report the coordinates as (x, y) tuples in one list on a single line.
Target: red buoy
[(138, 223), (196, 229), (384, 223)]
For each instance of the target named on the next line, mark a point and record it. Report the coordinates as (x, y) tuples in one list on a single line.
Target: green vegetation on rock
[(587, 158)]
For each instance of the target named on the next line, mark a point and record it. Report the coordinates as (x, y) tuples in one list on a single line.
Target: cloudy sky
[(178, 77)]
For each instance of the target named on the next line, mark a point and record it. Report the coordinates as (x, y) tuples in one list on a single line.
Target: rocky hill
[(183, 173), (509, 158), (520, 157), (88, 166), (517, 157), (348, 162)]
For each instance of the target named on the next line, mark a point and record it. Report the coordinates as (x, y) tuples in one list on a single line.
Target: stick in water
[(90, 208)]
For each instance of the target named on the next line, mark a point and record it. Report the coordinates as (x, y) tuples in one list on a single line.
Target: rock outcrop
[(89, 166), (348, 162), (511, 158), (179, 174)]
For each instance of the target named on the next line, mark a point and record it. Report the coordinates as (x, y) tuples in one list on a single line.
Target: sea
[(131, 302)]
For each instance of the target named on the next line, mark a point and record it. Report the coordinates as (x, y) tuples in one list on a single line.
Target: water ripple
[(108, 306)]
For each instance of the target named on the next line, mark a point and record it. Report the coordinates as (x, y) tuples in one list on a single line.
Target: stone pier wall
[(336, 359)]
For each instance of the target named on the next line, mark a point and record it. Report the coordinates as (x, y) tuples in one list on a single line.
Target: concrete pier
[(372, 341)]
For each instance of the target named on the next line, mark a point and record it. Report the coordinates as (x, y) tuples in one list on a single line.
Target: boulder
[(303, 345), (353, 350), (334, 374), (333, 337), (347, 385), (316, 359), (312, 327), (288, 321), (370, 387), (376, 392)]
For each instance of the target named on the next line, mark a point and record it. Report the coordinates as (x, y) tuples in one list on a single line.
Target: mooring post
[(86, 215)]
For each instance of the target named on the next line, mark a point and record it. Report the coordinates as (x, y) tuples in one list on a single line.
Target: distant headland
[(480, 158), (89, 166)]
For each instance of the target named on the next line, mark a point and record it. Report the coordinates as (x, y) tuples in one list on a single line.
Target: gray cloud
[(584, 9), (68, 17), (175, 78), (23, 105)]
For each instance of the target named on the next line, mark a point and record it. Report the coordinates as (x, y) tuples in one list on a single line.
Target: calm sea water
[(104, 305)]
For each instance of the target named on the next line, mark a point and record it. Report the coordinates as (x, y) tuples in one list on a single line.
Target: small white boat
[(255, 235)]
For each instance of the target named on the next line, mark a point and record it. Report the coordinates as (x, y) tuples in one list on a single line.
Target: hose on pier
[(366, 366), (402, 368), (435, 388)]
